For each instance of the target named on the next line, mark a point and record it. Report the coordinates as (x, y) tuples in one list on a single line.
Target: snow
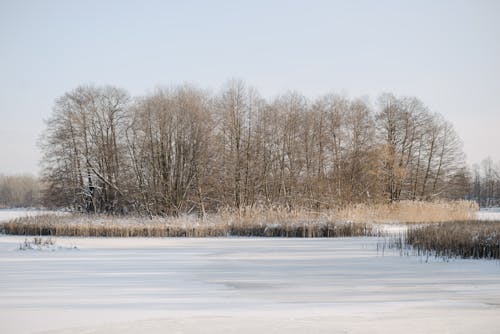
[(488, 214), (243, 285)]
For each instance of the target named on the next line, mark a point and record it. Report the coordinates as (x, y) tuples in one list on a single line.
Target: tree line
[(485, 183), (184, 149), (18, 191)]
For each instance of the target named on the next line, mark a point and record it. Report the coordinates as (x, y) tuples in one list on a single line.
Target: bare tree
[(184, 150), (19, 191)]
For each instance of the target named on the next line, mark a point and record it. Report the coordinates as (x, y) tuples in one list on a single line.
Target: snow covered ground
[(241, 285), (488, 214)]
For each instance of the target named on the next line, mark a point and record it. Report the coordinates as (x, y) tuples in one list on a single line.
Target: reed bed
[(464, 239), (103, 226), (349, 221), (410, 212)]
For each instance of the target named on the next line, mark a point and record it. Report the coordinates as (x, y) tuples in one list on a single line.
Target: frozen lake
[(241, 285)]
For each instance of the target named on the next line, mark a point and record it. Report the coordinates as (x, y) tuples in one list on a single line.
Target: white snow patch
[(488, 214)]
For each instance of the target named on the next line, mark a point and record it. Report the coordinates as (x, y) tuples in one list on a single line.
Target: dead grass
[(464, 239), (410, 212), (356, 220), (37, 243), (398, 212), (103, 226)]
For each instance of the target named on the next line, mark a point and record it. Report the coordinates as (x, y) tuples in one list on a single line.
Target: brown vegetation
[(183, 150), (465, 239), (410, 212), (103, 226), (273, 222)]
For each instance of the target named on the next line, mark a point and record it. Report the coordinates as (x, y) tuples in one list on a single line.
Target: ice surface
[(242, 285)]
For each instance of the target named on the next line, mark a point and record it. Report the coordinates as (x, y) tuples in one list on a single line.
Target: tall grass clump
[(37, 243), (464, 239)]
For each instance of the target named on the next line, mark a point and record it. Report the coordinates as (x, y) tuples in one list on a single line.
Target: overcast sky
[(447, 53)]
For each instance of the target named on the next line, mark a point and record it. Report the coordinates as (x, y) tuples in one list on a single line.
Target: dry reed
[(465, 239), (397, 212), (353, 220), (410, 212), (103, 226)]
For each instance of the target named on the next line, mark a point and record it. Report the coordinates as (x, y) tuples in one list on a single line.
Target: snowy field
[(241, 285)]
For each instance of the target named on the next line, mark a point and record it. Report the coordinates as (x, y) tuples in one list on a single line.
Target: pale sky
[(447, 53)]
